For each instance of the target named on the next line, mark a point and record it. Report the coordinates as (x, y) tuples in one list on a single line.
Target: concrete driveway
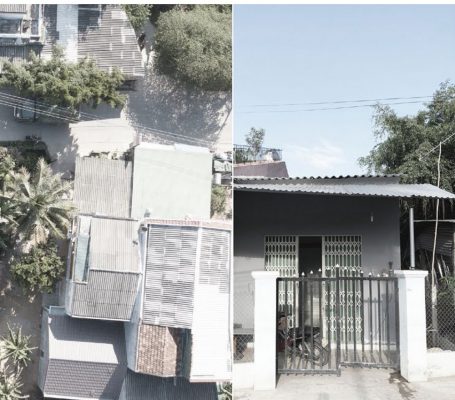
[(354, 384)]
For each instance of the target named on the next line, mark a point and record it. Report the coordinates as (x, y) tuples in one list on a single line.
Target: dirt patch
[(18, 310)]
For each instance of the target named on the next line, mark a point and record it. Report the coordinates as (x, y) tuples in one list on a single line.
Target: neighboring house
[(97, 31), (267, 162), (21, 31), (167, 279), (310, 226)]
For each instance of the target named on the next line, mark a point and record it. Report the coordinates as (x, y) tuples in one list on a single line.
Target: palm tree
[(10, 386), (43, 201), (16, 348)]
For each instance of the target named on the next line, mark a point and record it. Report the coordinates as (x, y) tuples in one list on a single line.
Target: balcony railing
[(246, 154)]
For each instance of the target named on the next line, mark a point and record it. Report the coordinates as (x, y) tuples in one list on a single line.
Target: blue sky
[(304, 53)]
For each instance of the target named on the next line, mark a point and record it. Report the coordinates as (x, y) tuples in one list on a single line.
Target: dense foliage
[(405, 142), (218, 200), (255, 139), (193, 45), (39, 270), (61, 83), (42, 202), (10, 386), (137, 14)]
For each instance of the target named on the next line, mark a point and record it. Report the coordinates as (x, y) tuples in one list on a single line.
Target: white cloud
[(322, 157)]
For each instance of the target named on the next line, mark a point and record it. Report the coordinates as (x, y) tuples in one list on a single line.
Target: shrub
[(137, 14), (39, 270), (194, 46), (218, 201)]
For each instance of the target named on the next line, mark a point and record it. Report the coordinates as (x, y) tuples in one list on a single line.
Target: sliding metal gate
[(343, 319)]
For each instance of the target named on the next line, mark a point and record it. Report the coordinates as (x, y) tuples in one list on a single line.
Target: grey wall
[(259, 214)]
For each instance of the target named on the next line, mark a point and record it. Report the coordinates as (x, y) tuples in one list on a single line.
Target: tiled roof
[(103, 187), (147, 387), (364, 185)]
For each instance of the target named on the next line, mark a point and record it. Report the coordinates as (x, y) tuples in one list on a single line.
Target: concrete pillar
[(265, 325), (413, 340)]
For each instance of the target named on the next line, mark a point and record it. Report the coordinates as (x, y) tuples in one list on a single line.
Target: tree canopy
[(62, 83), (405, 142), (193, 45), (137, 14)]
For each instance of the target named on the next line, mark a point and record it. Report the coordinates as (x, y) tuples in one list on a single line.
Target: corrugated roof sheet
[(109, 39), (147, 387), (13, 8), (87, 358), (86, 340), (103, 187), (375, 186), (114, 245)]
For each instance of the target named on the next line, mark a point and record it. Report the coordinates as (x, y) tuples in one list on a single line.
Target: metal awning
[(362, 185)]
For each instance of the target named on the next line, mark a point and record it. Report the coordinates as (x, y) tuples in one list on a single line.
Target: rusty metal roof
[(356, 185)]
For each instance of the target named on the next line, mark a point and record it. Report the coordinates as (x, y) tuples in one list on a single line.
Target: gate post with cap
[(265, 327), (412, 323)]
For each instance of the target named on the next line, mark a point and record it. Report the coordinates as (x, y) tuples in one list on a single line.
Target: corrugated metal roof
[(114, 245), (147, 387), (169, 275), (375, 186), (106, 295), (13, 8), (86, 340), (211, 355), (297, 178), (103, 187), (109, 39)]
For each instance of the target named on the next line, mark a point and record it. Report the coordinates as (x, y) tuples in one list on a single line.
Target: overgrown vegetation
[(193, 45), (218, 200), (138, 14), (60, 83), (39, 270), (405, 143)]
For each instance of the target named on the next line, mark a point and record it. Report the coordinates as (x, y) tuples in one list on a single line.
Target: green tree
[(405, 142), (42, 201), (255, 139), (16, 348), (39, 270), (61, 83), (137, 14), (194, 46), (218, 200)]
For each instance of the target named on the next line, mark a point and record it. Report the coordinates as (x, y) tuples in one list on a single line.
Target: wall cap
[(406, 274), (272, 275)]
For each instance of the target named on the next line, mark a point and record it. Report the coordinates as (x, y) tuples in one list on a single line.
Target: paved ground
[(354, 384)]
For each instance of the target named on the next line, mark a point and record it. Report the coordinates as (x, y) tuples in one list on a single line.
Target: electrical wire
[(43, 108), (319, 103)]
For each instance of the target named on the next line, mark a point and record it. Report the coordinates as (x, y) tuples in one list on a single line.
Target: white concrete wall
[(243, 375), (440, 364), (413, 342)]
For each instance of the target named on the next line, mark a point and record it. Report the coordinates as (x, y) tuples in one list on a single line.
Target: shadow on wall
[(164, 104)]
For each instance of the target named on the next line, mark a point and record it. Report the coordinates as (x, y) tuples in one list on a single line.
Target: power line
[(43, 108), (330, 108), (337, 102)]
